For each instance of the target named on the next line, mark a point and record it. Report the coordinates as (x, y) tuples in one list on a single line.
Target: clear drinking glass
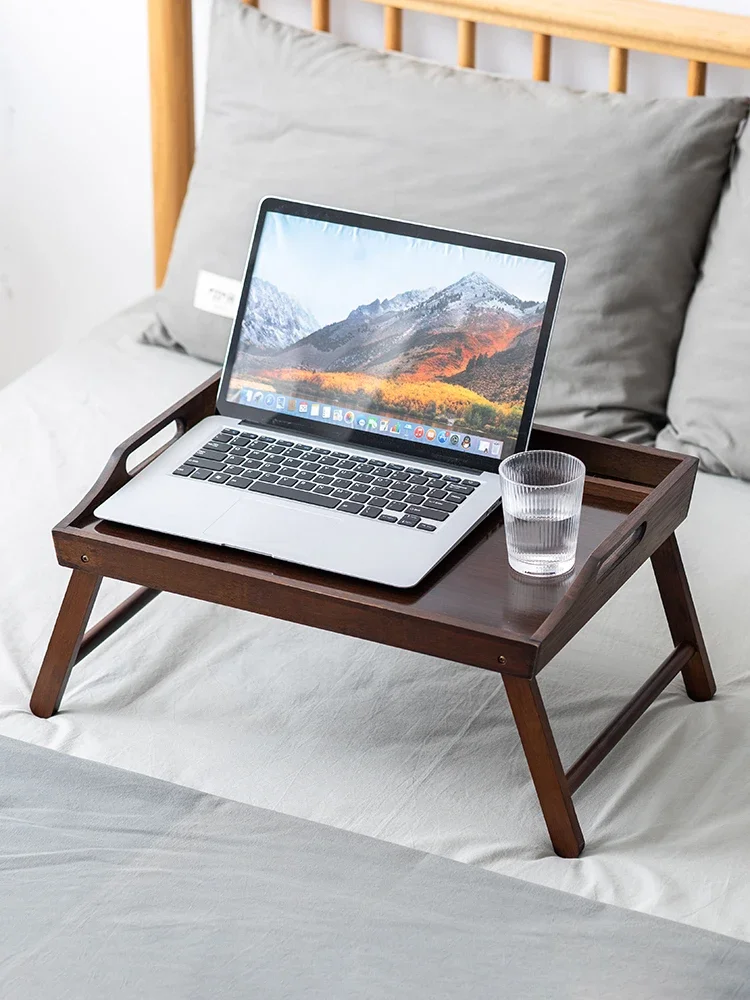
[(542, 496)]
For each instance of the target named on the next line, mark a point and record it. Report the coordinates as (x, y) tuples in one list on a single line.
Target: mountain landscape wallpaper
[(455, 354)]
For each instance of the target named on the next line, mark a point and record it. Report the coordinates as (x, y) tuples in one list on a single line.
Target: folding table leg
[(544, 763), (682, 618), (62, 651)]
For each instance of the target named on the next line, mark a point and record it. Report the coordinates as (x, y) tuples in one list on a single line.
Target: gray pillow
[(626, 187), (709, 403)]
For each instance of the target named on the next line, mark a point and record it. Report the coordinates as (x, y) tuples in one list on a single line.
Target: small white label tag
[(217, 294)]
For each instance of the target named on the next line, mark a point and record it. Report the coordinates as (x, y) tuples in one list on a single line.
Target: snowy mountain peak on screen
[(397, 304), (274, 319), (476, 290)]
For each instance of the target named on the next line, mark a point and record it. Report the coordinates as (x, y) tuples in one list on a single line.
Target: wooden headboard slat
[(467, 43), (646, 25), (541, 51), (618, 70), (392, 29), (696, 86), (321, 15)]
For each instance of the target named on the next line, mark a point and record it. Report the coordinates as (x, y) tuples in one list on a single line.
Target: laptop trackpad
[(299, 533)]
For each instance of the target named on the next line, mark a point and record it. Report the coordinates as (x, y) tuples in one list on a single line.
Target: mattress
[(163, 892), (402, 747)]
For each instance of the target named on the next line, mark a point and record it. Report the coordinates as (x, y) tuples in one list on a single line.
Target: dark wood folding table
[(472, 608)]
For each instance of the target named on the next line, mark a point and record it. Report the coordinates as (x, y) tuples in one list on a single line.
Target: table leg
[(682, 618), (62, 651), (544, 763)]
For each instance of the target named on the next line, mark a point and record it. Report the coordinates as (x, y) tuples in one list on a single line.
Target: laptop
[(377, 373)]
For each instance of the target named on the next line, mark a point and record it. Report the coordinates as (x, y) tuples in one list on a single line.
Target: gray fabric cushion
[(626, 187), (709, 403)]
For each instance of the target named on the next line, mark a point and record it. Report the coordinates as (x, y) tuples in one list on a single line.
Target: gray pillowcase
[(625, 187), (709, 403)]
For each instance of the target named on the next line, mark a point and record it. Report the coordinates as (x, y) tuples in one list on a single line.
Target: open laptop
[(377, 373)]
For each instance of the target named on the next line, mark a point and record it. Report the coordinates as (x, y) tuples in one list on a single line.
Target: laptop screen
[(388, 333)]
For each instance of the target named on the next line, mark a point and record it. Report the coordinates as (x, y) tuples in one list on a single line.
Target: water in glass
[(542, 495)]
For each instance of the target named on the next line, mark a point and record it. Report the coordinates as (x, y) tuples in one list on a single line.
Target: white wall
[(75, 181)]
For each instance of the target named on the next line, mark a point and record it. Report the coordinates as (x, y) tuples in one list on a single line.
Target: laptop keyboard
[(353, 484)]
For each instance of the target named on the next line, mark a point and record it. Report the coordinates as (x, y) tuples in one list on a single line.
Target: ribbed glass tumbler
[(542, 495)]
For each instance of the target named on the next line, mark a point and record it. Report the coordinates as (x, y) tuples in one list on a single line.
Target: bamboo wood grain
[(67, 636), (540, 57), (546, 770), (682, 619), (467, 37), (321, 15), (116, 618), (618, 70), (696, 81), (196, 571), (68, 644), (625, 719), (615, 495), (628, 463), (393, 28), (646, 25), (170, 29)]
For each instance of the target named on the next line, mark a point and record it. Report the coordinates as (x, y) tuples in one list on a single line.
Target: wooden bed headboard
[(698, 36)]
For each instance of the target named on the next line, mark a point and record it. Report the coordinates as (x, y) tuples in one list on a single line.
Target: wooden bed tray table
[(472, 608)]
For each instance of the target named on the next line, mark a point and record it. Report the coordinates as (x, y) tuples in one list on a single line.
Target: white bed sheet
[(400, 746)]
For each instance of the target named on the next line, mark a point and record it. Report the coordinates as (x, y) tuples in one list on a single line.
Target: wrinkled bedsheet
[(163, 892), (402, 747)]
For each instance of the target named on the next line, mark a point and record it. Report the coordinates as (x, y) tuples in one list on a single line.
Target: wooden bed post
[(170, 26)]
